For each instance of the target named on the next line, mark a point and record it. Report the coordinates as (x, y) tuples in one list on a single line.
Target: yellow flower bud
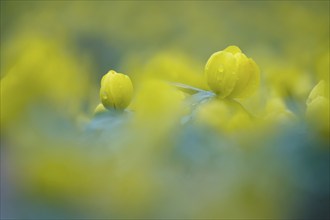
[(230, 73), (116, 90)]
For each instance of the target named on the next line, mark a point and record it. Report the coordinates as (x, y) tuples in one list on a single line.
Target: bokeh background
[(60, 161)]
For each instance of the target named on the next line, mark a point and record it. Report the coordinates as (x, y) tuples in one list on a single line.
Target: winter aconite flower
[(230, 73), (116, 90)]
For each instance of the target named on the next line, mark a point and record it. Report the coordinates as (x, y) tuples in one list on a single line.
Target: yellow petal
[(220, 72)]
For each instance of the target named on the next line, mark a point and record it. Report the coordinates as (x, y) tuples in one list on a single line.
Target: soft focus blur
[(171, 153)]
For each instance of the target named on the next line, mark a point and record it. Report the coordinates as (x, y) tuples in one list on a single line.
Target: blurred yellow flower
[(230, 73), (116, 90), (288, 80), (157, 101), (158, 108), (168, 65), (277, 113), (39, 70), (318, 110), (320, 90), (224, 115)]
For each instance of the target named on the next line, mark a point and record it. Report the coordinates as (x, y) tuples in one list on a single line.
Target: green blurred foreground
[(178, 150)]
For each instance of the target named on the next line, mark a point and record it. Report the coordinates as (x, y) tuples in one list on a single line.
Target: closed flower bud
[(116, 90), (230, 73)]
